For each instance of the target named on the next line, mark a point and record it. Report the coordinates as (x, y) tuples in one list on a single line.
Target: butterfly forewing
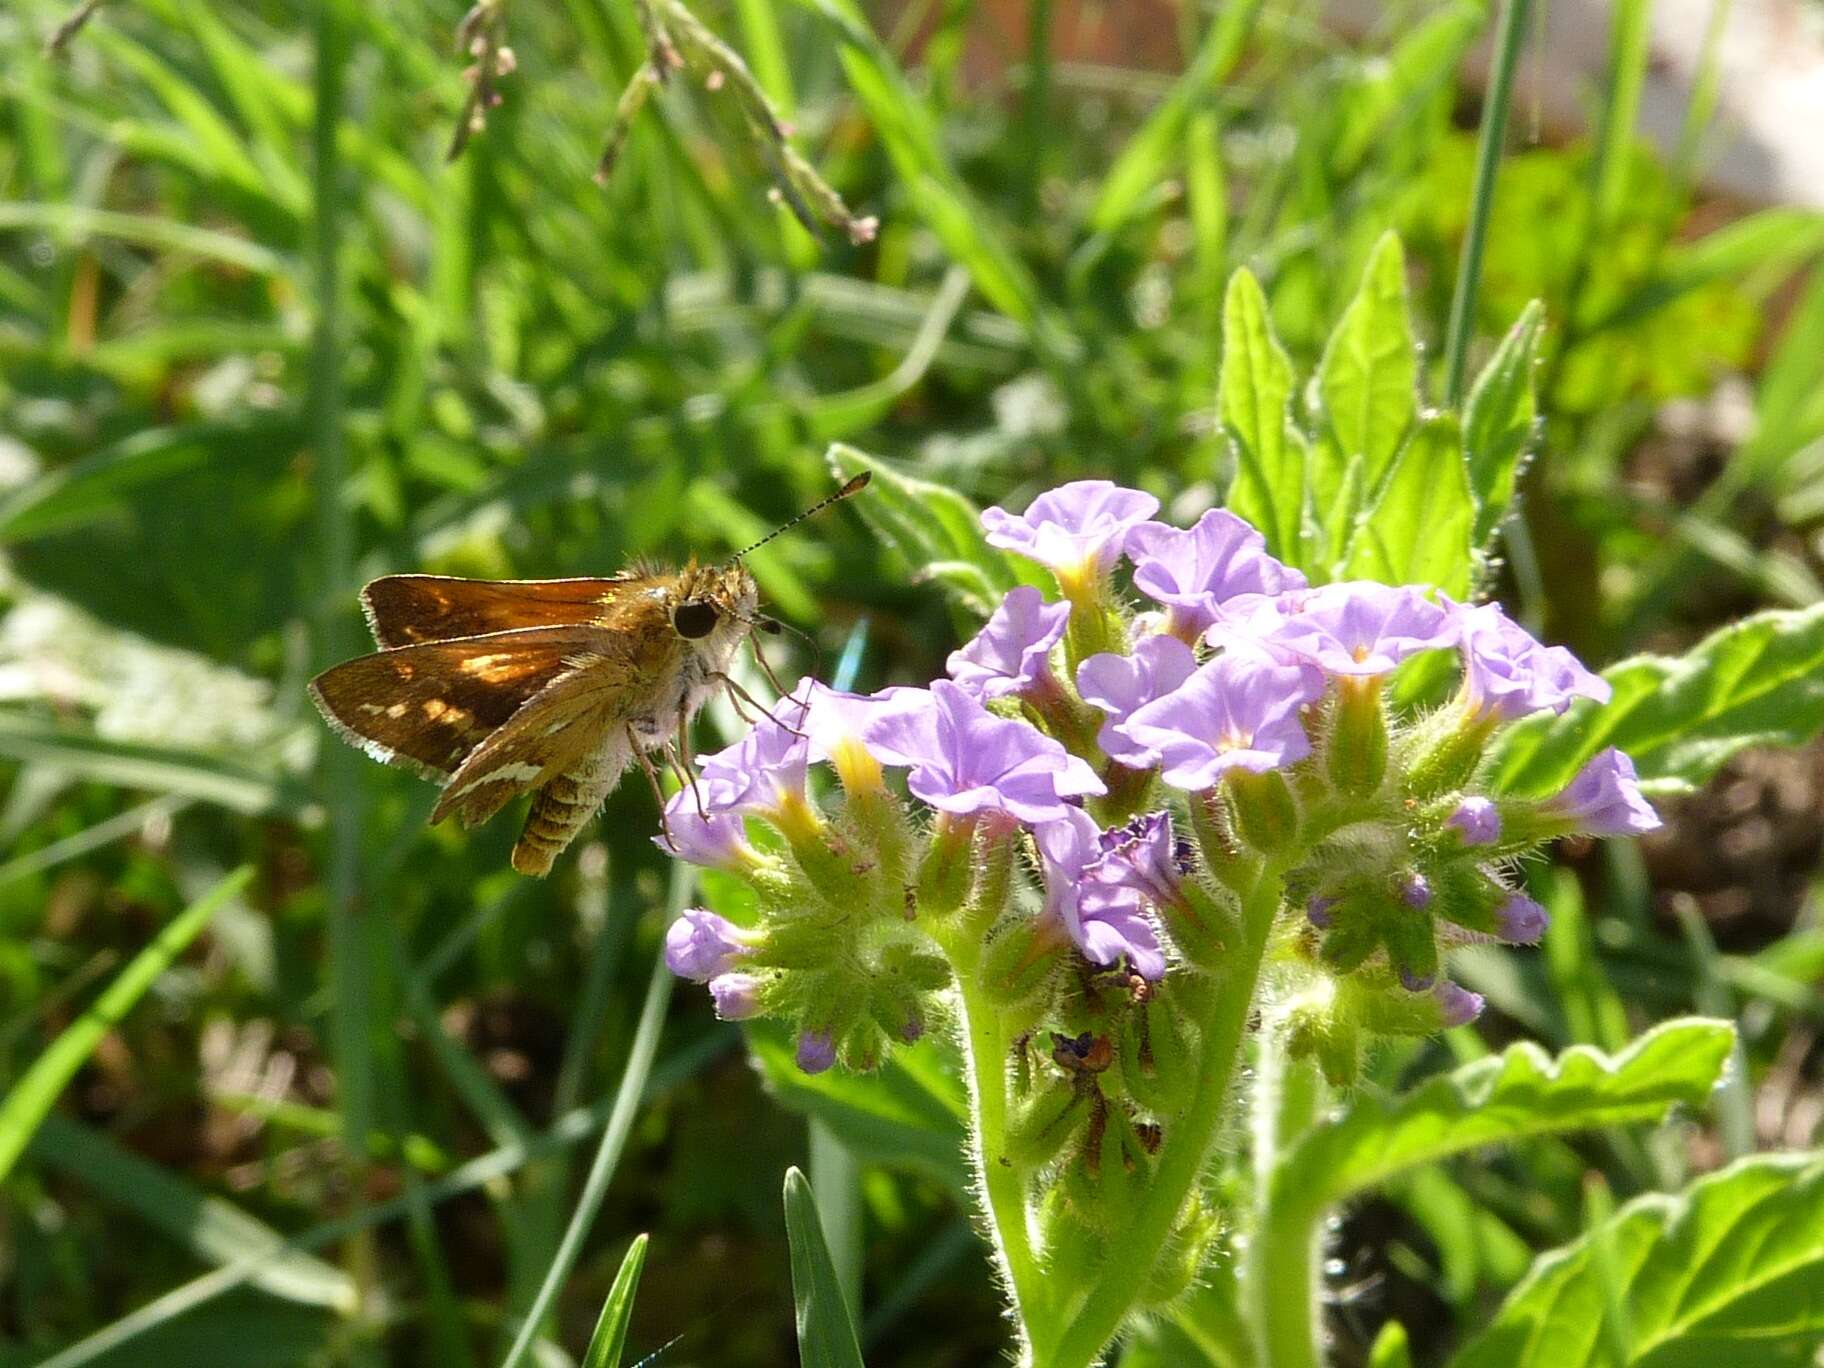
[(427, 706), (406, 609)]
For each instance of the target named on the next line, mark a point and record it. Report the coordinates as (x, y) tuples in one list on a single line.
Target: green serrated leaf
[(610, 1336), (1726, 1273), (1367, 385), (1254, 390), (937, 530), (826, 1330), (1418, 529), (1519, 1093), (1757, 682), (1500, 419)]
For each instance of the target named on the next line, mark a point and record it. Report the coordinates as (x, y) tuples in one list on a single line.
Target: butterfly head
[(712, 606)]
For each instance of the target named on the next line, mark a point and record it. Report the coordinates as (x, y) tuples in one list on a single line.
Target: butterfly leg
[(686, 766), (736, 693), (771, 678), (652, 778)]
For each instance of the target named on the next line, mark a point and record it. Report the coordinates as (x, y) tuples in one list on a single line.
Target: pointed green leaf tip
[(1725, 1273), (610, 1336), (826, 1332), (1254, 389)]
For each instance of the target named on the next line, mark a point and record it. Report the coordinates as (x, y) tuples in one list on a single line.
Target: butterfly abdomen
[(563, 807)]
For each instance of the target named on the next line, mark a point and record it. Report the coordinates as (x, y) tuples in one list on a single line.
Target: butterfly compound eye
[(694, 619)]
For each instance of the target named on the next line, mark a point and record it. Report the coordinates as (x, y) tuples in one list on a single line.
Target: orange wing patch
[(403, 610), (422, 707)]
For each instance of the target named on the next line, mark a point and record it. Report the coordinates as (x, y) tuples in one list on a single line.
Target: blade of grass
[(614, 1138), (610, 1336), (209, 1226), (826, 1331), (104, 832), (1461, 327), (1151, 150), (25, 1106), (144, 230)]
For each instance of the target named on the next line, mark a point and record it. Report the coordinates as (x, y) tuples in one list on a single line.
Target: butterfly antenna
[(855, 485)]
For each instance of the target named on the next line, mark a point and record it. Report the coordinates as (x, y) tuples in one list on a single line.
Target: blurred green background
[(259, 341)]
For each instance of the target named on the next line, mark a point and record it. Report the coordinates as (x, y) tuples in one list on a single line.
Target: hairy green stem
[(1001, 1184), (1130, 1256), (1279, 1272)]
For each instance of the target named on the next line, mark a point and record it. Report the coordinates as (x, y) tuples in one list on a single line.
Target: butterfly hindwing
[(576, 723), (403, 610), (428, 706)]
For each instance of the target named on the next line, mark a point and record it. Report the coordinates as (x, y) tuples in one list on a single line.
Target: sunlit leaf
[(826, 1329), (1757, 682), (1725, 1273), (1418, 530), (1254, 390)]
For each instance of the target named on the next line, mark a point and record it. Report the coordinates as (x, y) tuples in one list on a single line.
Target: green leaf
[(611, 1328), (1143, 162), (1726, 1273), (1500, 420), (826, 1331), (1519, 1093), (1367, 384), (1418, 530), (937, 530), (24, 1107), (1423, 63), (906, 1114), (1254, 389), (1757, 682)]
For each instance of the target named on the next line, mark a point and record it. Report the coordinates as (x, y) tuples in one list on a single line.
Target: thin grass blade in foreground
[(620, 1122), (826, 1334), (610, 1336), (25, 1106)]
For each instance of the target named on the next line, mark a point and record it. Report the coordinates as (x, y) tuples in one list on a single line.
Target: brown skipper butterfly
[(493, 688)]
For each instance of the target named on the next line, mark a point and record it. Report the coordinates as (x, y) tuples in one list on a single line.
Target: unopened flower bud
[(1415, 890), (737, 996), (816, 1051), (1356, 750), (1477, 821), (1457, 1005), (1520, 920), (700, 945)]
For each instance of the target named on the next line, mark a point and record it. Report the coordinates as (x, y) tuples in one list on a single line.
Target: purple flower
[(1240, 711), (1477, 821), (737, 996), (963, 759), (1106, 922), (816, 1051), (1415, 891), (1145, 857), (717, 840), (1193, 571), (1520, 920), (1012, 654), (1120, 684), (836, 724), (1358, 627), (1076, 529), (1605, 799), (764, 770), (700, 945), (1456, 1004), (1508, 674)]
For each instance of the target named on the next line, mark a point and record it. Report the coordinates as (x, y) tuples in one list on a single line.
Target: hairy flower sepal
[(1266, 814), (1020, 959), (1156, 1051), (1355, 752), (946, 871), (1444, 750)]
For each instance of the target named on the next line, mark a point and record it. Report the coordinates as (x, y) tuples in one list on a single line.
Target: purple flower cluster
[(1234, 674)]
